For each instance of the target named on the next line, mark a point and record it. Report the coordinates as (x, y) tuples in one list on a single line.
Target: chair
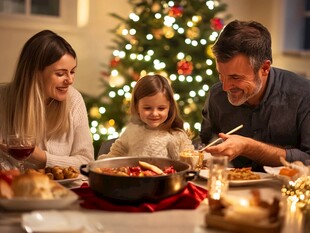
[(105, 146)]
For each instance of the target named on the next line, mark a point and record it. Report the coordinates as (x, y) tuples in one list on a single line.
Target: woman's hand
[(3, 147), (38, 157)]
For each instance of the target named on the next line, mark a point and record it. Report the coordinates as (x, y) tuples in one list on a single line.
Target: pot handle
[(83, 171), (191, 175)]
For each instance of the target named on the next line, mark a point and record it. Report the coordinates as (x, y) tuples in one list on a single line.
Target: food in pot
[(144, 169), (136, 189), (242, 174)]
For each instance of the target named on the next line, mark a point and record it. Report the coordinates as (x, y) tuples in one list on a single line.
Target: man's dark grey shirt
[(282, 118)]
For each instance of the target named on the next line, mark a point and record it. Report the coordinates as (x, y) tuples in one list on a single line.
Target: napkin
[(189, 198)]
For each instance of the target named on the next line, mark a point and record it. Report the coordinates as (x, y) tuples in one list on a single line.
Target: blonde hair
[(150, 85), (24, 105)]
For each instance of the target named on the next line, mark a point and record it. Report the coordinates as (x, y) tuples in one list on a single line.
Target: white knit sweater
[(75, 147), (139, 141)]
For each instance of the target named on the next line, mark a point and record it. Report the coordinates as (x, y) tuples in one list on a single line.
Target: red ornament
[(114, 62), (184, 67), (217, 24), (176, 11)]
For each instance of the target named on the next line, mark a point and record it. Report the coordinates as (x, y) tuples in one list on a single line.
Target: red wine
[(20, 153)]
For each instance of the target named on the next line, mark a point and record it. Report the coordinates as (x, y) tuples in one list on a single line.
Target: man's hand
[(232, 146), (235, 145)]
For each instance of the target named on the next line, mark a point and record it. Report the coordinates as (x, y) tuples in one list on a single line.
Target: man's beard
[(245, 97)]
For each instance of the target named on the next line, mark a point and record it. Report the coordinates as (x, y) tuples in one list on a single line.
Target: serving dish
[(204, 173), (68, 181), (27, 204), (137, 189)]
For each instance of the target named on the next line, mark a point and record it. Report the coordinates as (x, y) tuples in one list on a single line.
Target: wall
[(91, 41)]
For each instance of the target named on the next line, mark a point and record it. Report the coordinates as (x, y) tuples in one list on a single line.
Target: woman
[(40, 101)]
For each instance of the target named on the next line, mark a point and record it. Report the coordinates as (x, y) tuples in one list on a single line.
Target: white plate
[(273, 170), (204, 173), (53, 221), (38, 204), (68, 181)]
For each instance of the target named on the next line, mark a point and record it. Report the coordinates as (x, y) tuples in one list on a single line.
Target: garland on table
[(299, 192)]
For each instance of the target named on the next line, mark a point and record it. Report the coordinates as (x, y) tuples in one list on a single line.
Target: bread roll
[(32, 185), (5, 189)]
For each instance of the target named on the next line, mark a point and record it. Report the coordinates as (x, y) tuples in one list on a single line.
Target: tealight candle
[(217, 181)]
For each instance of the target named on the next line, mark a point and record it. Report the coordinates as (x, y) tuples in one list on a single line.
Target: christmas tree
[(172, 38)]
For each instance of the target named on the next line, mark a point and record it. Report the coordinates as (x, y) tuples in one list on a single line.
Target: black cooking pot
[(133, 188)]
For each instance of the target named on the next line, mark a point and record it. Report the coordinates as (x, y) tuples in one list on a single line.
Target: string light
[(298, 192)]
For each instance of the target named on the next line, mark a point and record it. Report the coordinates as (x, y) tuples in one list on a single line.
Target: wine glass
[(20, 148)]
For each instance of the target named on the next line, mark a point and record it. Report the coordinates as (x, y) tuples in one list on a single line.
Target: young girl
[(156, 128)]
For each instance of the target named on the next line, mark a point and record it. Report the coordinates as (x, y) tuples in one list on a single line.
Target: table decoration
[(298, 192), (243, 215)]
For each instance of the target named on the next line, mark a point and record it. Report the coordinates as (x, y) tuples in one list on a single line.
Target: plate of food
[(241, 176), (34, 192), (282, 172), (62, 175), (69, 180)]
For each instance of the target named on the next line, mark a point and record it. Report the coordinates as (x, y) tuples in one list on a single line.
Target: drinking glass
[(193, 158), (20, 148), (217, 181)]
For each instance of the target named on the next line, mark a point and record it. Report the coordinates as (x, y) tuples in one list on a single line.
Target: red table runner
[(189, 198)]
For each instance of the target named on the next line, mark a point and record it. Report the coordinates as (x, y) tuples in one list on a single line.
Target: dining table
[(163, 221)]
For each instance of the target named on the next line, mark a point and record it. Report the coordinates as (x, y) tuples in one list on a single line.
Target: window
[(30, 7), (297, 25)]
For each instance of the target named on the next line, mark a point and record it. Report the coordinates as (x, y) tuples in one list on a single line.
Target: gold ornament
[(196, 19), (193, 33), (94, 112), (209, 51), (157, 33), (168, 32), (155, 7)]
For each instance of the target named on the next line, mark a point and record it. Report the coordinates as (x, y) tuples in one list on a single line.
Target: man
[(272, 104)]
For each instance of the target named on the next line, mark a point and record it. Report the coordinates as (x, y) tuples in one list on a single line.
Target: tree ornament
[(155, 7), (94, 112), (175, 11), (209, 51), (157, 33), (184, 67), (168, 32), (217, 24), (114, 62), (193, 33)]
